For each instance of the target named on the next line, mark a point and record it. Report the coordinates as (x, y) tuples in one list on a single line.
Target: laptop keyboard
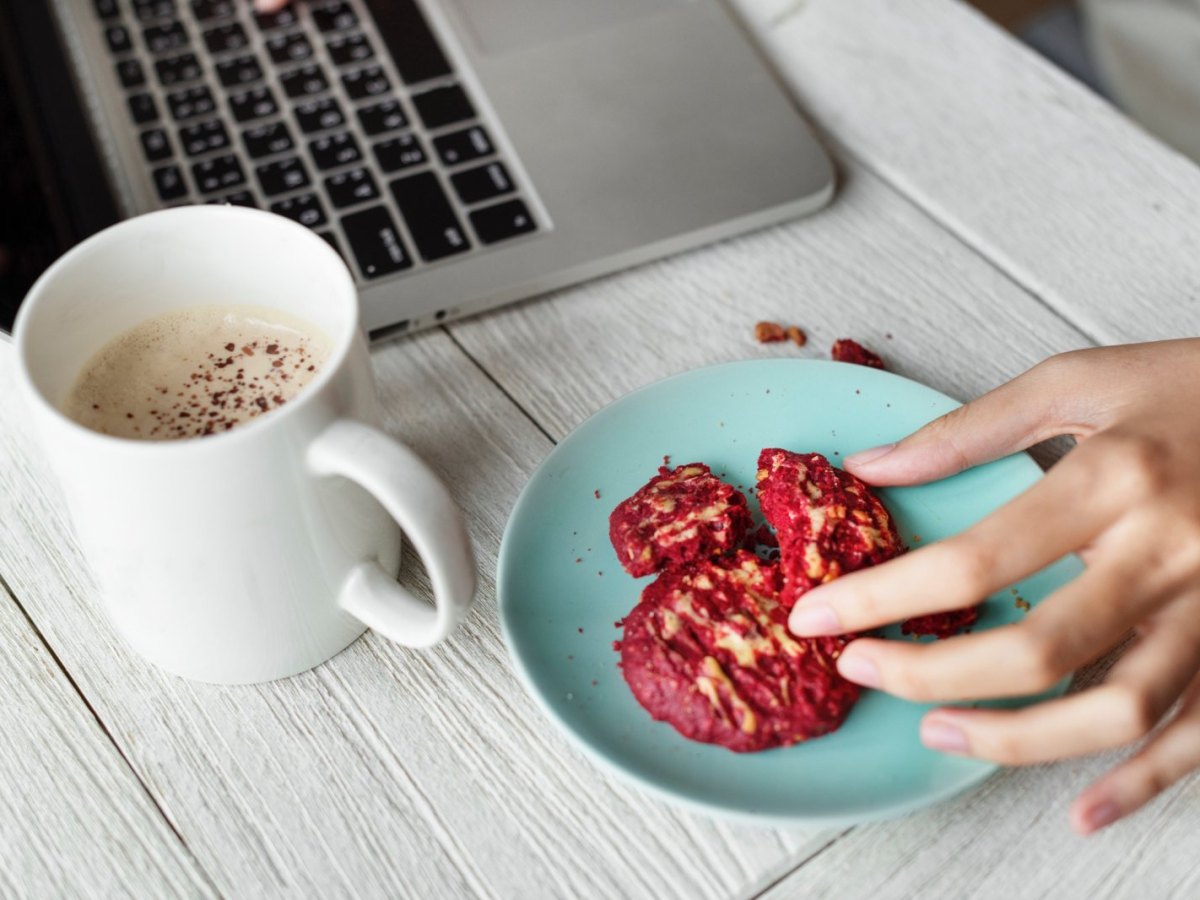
[(344, 115)]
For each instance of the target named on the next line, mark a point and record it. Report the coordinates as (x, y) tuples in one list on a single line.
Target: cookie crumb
[(849, 351), (769, 332)]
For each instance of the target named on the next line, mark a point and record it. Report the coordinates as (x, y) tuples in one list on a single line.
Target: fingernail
[(859, 670), (813, 621), (938, 734), (869, 456), (1101, 814)]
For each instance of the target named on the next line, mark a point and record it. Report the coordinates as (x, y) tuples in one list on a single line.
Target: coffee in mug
[(196, 372)]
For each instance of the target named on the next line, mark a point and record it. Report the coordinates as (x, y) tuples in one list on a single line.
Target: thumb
[(1014, 416)]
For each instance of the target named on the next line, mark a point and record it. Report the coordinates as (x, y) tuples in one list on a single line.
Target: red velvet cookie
[(830, 523), (708, 650), (681, 515), (827, 521)]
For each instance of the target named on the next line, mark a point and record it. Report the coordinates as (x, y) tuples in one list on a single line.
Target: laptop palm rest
[(503, 27)]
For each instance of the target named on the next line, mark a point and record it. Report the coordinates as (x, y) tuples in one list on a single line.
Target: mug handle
[(414, 496)]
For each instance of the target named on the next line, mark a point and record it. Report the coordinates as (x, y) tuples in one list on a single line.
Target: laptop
[(459, 154)]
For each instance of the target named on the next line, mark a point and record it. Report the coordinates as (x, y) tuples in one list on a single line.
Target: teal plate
[(561, 589)]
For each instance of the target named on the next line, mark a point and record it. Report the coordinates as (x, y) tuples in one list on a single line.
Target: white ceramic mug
[(258, 552)]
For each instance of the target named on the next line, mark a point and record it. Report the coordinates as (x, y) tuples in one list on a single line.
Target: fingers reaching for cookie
[(1128, 499)]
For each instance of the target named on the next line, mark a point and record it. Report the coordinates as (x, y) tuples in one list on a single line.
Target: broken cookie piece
[(680, 515), (827, 521)]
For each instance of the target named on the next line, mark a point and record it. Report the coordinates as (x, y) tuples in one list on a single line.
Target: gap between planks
[(520, 407), (959, 234), (5, 587)]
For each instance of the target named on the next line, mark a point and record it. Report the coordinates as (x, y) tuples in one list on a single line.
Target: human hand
[(269, 6), (1127, 499)]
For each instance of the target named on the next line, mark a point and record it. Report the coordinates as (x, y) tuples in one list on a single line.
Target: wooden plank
[(872, 266), (385, 772), (1010, 838), (1044, 178), (76, 822)]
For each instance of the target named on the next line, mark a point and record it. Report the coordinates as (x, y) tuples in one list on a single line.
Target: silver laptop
[(459, 154)]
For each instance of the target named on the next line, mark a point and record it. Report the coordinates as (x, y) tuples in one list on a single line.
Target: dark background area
[(29, 241)]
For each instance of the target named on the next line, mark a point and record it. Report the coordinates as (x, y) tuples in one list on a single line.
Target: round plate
[(561, 589)]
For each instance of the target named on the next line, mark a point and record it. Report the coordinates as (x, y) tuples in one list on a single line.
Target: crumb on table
[(769, 332)]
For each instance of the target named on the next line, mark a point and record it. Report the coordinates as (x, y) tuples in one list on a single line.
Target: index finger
[(1060, 513)]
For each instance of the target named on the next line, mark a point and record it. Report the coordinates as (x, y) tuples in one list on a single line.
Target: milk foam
[(196, 372)]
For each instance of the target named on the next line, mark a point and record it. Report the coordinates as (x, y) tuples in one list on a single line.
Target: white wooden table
[(991, 212)]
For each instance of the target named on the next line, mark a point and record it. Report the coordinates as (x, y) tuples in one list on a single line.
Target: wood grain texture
[(385, 772), (74, 820), (871, 266), (1010, 838), (1044, 178)]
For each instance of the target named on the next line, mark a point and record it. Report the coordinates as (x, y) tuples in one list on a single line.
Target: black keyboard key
[(118, 40), (143, 108), (381, 117), (178, 69), (353, 49), (218, 174), (502, 221), (156, 144), (304, 82), (335, 17), (283, 176), (400, 152), (236, 72), (286, 48), (349, 188), (165, 38), (410, 40), (430, 217), (305, 209), (107, 9), (318, 115), (130, 73), (483, 183), (285, 18), (225, 37), (335, 150), (169, 182), (147, 10), (266, 140), (443, 105), (375, 242), (204, 137), (240, 198), (365, 83), (190, 103), (255, 104), (210, 10), (463, 146)]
